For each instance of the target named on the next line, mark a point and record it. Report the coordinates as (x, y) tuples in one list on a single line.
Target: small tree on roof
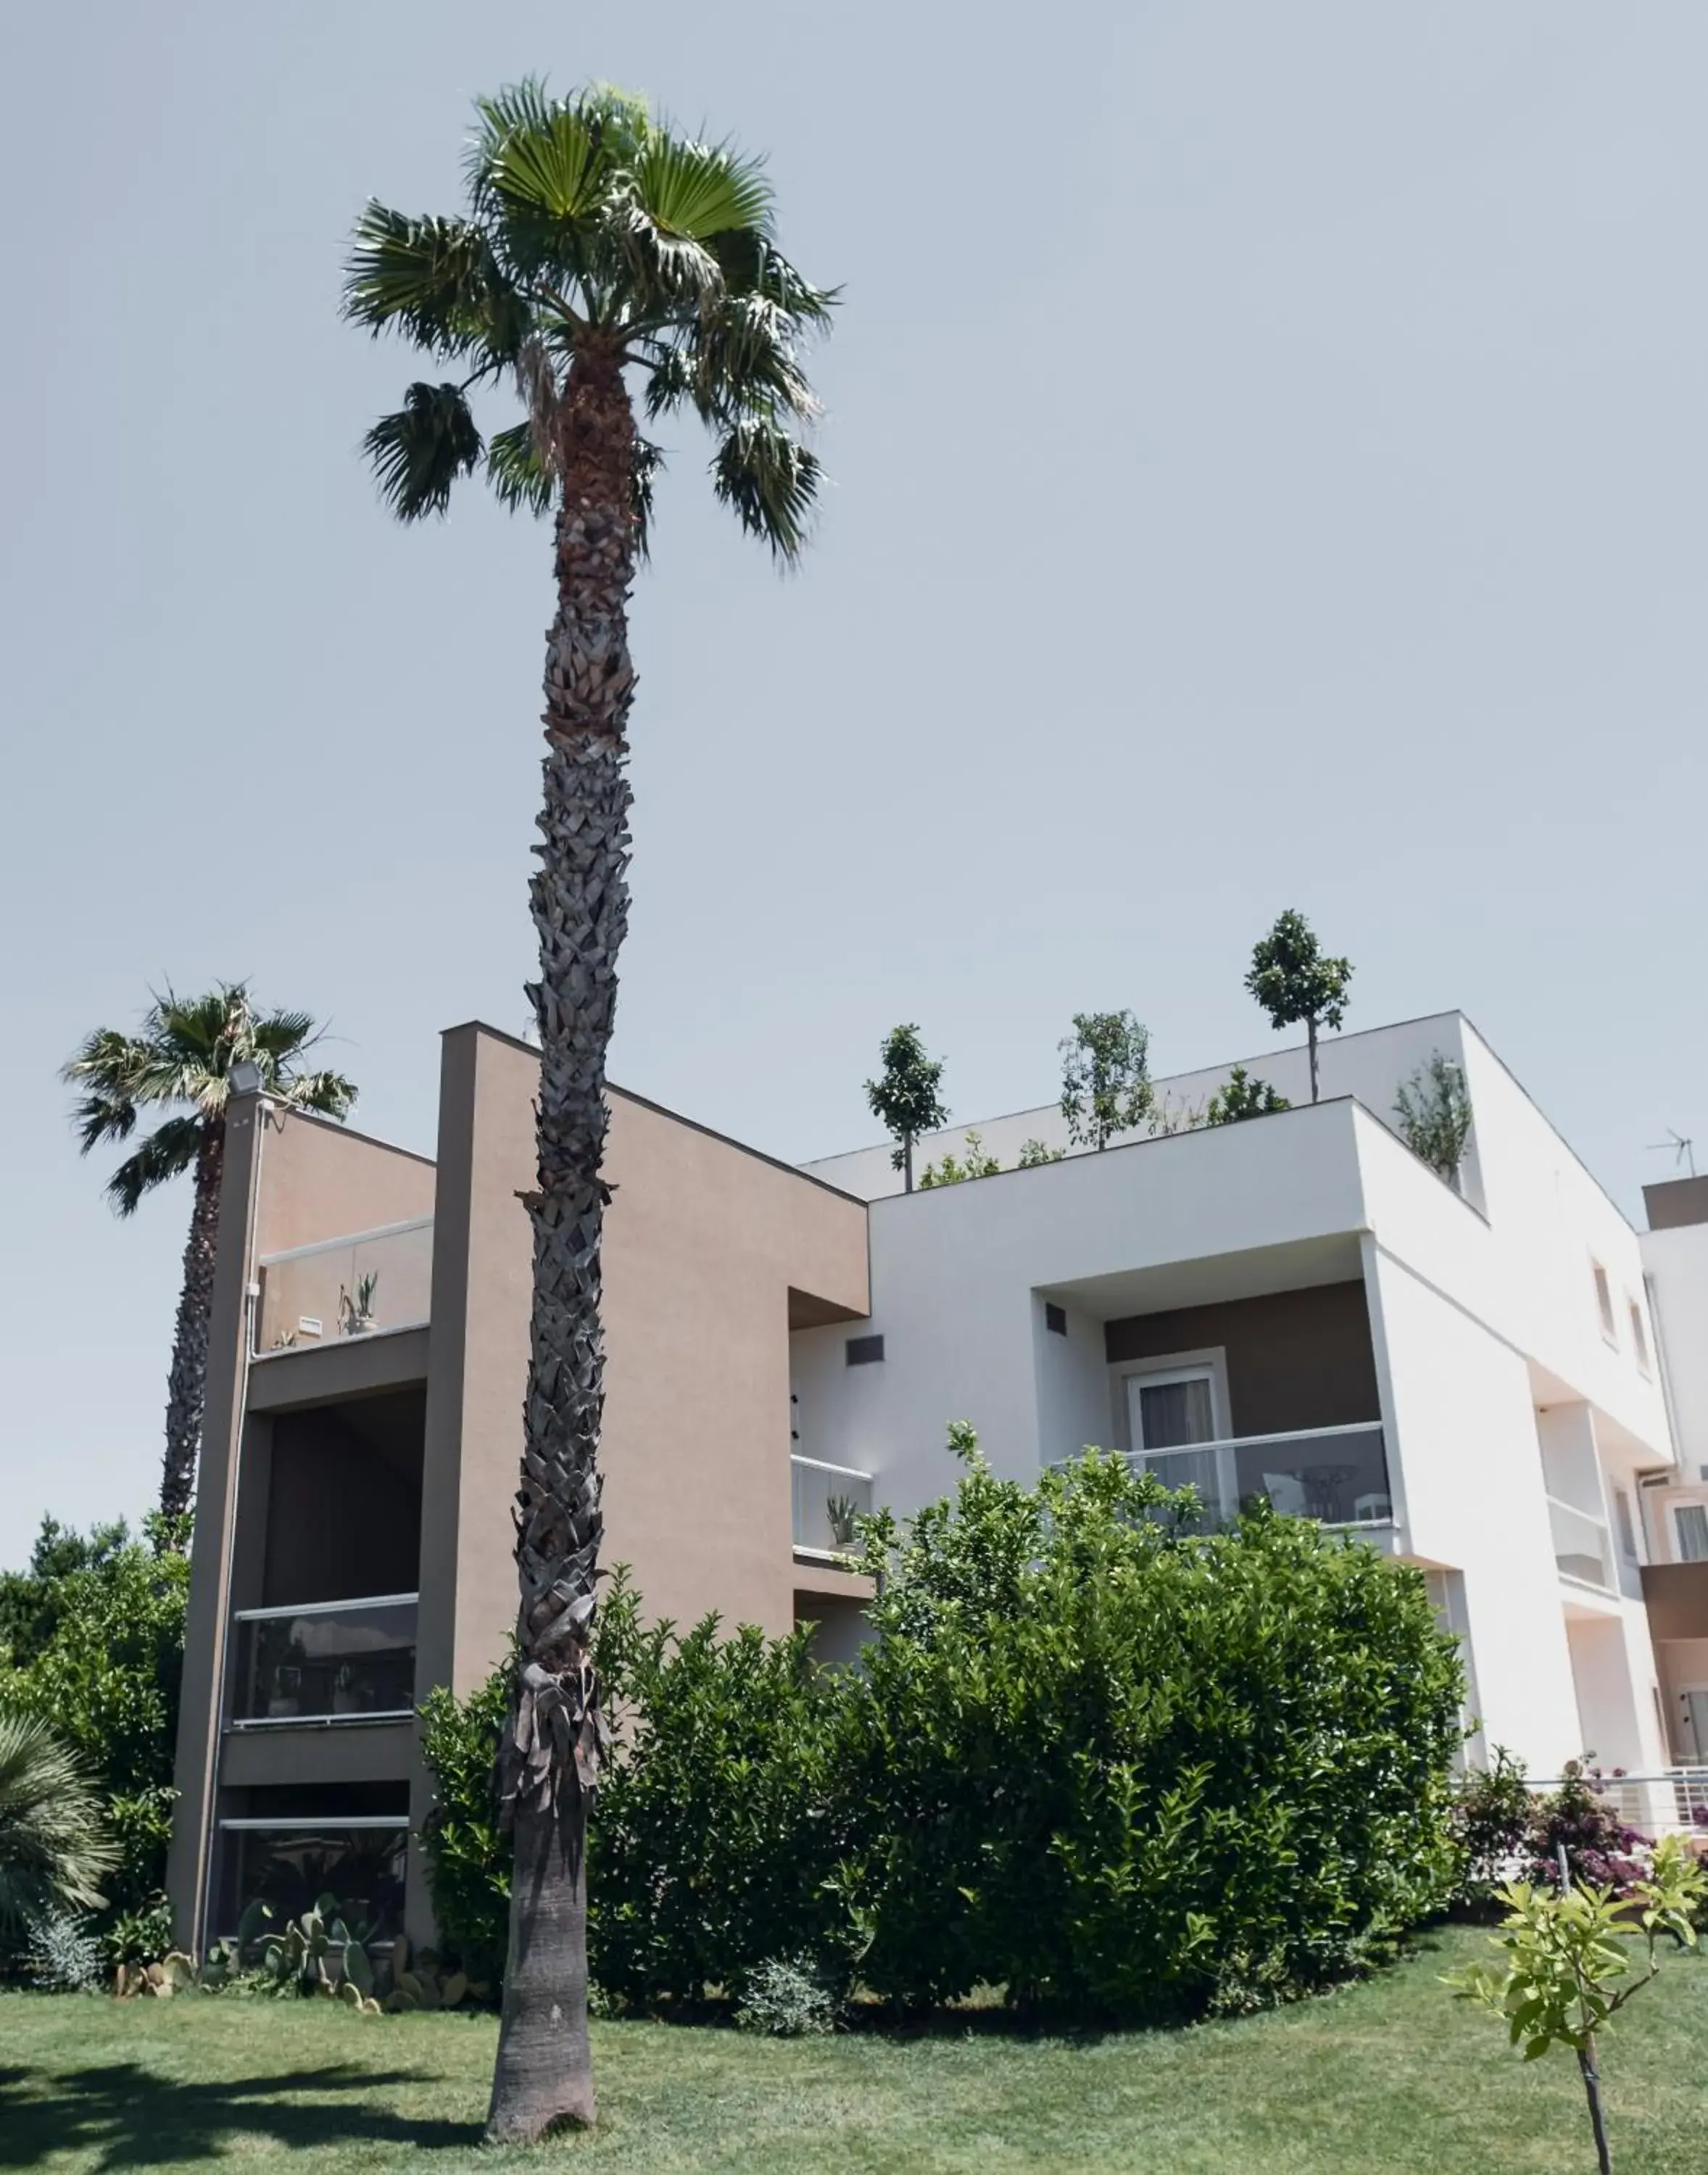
[(1105, 1077), (1296, 984), (906, 1097)]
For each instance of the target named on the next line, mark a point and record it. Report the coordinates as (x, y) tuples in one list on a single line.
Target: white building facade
[(1675, 1505), (1466, 1376)]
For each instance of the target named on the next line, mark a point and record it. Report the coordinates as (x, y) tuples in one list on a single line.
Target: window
[(1054, 1318), (1626, 1524), (1604, 1304), (1172, 1410), (1640, 1336), (862, 1351), (1690, 1523)]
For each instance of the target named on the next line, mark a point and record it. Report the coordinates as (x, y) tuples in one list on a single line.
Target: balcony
[(360, 1860), (1338, 1475), (827, 1501), (350, 1286), (1580, 1547), (326, 1663)]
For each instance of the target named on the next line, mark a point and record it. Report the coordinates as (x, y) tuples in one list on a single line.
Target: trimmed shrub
[(1115, 1765), (468, 1859), (1122, 1768), (717, 1826)]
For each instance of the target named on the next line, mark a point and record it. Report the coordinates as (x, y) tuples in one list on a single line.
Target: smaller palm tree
[(181, 1061), (55, 1849)]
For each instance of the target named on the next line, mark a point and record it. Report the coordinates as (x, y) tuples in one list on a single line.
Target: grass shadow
[(123, 2115)]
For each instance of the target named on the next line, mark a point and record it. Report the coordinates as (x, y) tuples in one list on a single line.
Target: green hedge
[(1115, 1766), (92, 1640)]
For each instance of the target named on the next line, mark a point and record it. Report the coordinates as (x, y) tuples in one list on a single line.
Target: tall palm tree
[(602, 259), (180, 1060)]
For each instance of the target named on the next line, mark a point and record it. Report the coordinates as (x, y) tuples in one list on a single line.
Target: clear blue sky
[(1269, 458)]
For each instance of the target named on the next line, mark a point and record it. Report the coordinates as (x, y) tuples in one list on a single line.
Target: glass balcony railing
[(289, 1864), (828, 1498), (346, 1287), (342, 1661), (1579, 1545), (1338, 1475)]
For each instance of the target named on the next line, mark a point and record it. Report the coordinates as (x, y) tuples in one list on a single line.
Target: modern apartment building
[(1462, 1373), (1675, 1505)]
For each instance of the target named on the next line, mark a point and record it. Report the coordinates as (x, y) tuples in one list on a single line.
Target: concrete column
[(477, 1373), (195, 1772)]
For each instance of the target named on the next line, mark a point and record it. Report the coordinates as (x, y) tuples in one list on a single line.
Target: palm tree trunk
[(550, 1758), (186, 1385)]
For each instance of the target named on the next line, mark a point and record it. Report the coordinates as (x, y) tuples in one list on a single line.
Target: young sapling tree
[(1297, 984), (1570, 1960), (907, 1097), (1105, 1077)]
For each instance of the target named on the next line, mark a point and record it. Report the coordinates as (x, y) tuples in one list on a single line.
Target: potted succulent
[(841, 1511), (356, 1316)]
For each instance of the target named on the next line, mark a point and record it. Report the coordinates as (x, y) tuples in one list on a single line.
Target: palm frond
[(55, 1848), (438, 281), (649, 461), (699, 190), (107, 1064), (419, 450), (330, 1093), (166, 1154), (551, 159), (753, 266), (665, 271), (514, 472), (769, 480), (744, 357), (669, 382), (200, 1031), (102, 1117), (283, 1034)]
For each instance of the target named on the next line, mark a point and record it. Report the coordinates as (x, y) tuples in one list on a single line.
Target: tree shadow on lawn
[(125, 2116)]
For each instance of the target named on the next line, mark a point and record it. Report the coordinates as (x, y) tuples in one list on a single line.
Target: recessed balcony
[(356, 1286), (828, 1501), (1582, 1549), (326, 1663), (1338, 1475)]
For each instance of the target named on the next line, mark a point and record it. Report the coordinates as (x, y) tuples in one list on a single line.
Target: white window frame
[(1211, 1362), (1640, 1336), (1607, 1315), (1683, 1694), (1687, 1503)]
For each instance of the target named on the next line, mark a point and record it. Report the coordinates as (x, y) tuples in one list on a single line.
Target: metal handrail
[(1245, 1441), (326, 1608), (300, 1824), (344, 1239), (242, 1722)]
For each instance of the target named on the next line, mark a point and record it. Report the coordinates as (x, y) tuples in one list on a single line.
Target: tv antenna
[(1681, 1147)]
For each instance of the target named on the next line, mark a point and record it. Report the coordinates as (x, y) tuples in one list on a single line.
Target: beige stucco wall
[(705, 1242), (320, 1180)]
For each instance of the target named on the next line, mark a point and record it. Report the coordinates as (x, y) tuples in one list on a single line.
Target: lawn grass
[(1393, 2075)]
